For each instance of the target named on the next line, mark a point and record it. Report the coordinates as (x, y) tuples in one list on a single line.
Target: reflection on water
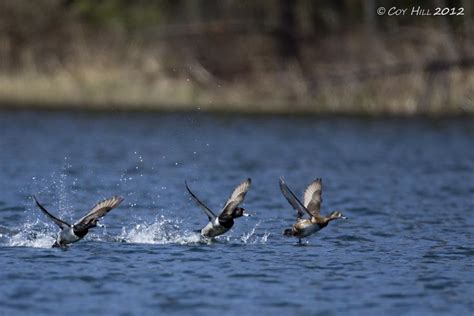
[(406, 186)]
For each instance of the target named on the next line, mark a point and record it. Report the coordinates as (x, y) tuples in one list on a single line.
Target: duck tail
[(288, 232)]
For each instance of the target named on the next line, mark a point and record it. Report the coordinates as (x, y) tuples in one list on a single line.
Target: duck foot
[(301, 243)]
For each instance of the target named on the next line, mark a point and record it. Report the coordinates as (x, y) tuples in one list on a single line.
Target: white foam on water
[(161, 231), (168, 231), (29, 235)]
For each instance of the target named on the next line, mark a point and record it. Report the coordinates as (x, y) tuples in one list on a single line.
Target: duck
[(220, 224), (305, 227), (71, 233)]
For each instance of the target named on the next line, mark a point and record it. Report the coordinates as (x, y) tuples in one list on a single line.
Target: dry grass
[(94, 88), (140, 79)]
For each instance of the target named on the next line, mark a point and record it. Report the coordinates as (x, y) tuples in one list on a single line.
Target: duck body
[(304, 228), (68, 236), (215, 228)]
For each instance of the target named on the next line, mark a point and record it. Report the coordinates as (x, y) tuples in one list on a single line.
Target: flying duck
[(311, 206), (74, 232), (220, 224)]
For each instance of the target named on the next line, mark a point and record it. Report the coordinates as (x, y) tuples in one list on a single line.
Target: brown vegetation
[(268, 57)]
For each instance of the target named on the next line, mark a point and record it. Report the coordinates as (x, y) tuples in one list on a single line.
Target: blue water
[(407, 187)]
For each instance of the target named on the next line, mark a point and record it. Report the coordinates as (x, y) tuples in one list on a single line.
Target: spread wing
[(98, 211), (235, 199), (206, 209), (293, 200), (57, 221), (312, 197)]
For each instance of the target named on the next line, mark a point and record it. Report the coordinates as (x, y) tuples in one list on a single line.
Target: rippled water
[(407, 187)]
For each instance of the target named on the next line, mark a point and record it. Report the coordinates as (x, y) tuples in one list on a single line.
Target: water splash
[(58, 186), (253, 238), (30, 235), (161, 231), (168, 231)]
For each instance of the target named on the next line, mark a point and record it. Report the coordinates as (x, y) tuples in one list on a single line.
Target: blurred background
[(269, 56)]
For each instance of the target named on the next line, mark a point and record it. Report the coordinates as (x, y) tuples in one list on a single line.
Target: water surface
[(407, 187)]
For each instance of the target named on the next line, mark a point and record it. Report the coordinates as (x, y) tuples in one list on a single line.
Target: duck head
[(336, 215), (239, 212)]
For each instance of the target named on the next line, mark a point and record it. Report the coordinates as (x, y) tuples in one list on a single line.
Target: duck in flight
[(74, 232), (219, 224), (311, 206)]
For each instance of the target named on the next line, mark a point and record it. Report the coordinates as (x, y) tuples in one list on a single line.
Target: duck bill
[(344, 217), (246, 214)]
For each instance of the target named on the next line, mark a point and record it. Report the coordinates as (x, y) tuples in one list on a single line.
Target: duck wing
[(312, 197), (293, 200), (206, 209), (99, 210), (235, 199), (62, 224)]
